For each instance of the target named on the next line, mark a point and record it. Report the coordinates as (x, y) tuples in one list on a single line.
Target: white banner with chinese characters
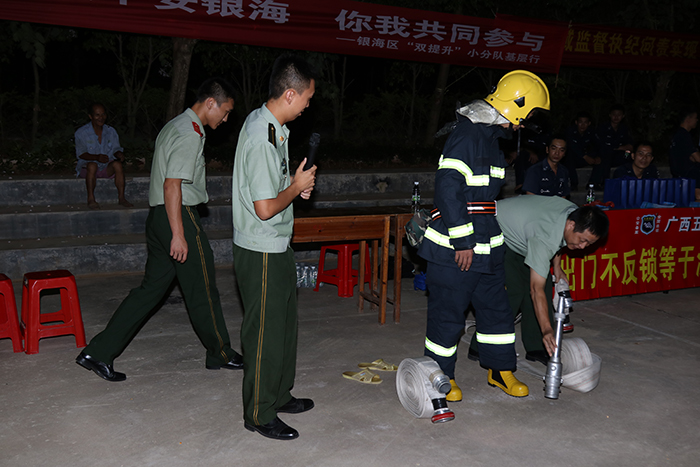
[(342, 27), (647, 250)]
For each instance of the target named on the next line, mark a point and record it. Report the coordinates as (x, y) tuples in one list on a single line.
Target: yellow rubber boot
[(455, 394), (508, 382)]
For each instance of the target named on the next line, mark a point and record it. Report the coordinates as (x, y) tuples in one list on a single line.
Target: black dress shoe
[(276, 429), (538, 356), (236, 363), (296, 406), (473, 354), (102, 369)]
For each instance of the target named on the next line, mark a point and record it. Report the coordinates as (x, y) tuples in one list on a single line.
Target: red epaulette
[(197, 129)]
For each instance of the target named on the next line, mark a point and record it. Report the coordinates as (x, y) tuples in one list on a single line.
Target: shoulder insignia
[(196, 129), (271, 134)]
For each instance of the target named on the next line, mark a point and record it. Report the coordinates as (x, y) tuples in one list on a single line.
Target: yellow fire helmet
[(517, 94)]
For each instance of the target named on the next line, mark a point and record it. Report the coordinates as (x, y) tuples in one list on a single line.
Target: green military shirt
[(179, 153), (533, 227), (261, 171)]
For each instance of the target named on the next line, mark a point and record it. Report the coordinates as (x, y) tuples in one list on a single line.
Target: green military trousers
[(267, 284), (196, 278), (518, 289)]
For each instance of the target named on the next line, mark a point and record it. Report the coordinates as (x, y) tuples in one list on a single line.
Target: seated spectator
[(641, 165), (99, 155), (684, 156), (549, 177), (614, 141), (532, 150), (580, 147)]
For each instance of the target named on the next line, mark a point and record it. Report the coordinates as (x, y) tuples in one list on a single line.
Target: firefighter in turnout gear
[(463, 244)]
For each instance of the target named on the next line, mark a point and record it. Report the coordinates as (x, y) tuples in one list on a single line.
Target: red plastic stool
[(9, 325), (344, 276), (33, 320)]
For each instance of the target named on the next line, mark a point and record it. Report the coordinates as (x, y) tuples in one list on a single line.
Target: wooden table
[(368, 224)]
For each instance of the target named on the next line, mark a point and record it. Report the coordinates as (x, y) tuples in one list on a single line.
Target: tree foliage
[(367, 109)]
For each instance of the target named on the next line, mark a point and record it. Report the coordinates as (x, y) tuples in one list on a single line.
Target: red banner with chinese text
[(646, 251), (635, 49), (342, 27), (358, 28)]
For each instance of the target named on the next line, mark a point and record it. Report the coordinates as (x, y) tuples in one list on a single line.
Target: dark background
[(385, 103)]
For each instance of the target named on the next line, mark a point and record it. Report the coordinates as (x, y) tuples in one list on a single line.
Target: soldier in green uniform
[(263, 219), (536, 230), (177, 245)]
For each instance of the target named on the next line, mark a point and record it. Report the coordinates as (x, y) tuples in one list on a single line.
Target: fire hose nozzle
[(442, 412)]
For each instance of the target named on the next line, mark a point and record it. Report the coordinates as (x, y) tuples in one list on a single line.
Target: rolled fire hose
[(580, 367), (421, 386)]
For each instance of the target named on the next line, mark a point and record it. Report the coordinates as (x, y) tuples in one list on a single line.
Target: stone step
[(79, 221), (106, 254), (45, 223), (90, 255), (70, 191), (25, 222)]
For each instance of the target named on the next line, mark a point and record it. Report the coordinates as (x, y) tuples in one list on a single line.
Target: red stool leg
[(321, 265), (368, 270), (343, 275), (343, 270), (69, 315), (30, 319), (76, 315), (355, 273), (9, 324)]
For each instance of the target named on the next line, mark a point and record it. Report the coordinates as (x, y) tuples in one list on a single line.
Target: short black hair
[(686, 112), (290, 72), (615, 107), (584, 114), (217, 88), (91, 107), (592, 219), (643, 143), (557, 136)]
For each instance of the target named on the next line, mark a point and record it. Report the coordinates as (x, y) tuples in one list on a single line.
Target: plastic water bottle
[(590, 197), (415, 198)]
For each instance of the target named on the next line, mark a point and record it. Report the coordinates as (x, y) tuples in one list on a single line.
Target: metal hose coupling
[(553, 378), (421, 386)]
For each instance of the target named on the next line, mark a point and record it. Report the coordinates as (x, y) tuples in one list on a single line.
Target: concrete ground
[(171, 411)]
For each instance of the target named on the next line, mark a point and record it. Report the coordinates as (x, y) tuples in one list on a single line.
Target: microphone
[(314, 141)]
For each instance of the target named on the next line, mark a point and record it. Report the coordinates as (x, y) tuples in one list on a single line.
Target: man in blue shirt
[(614, 141), (99, 155), (533, 145), (580, 147), (684, 155), (549, 177), (641, 166)]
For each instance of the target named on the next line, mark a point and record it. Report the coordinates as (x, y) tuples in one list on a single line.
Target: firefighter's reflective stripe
[(440, 350), (498, 172), (480, 248), (497, 241), (436, 237), (496, 339), (461, 230), (463, 168)]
